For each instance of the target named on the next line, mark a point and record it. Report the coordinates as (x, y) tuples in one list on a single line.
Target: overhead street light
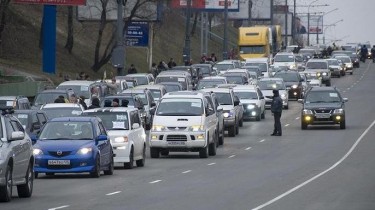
[(330, 25), (317, 24), (308, 22)]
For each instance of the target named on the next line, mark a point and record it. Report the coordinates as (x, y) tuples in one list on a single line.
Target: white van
[(184, 121)]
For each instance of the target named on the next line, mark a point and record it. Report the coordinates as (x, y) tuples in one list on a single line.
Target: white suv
[(184, 121), (285, 59)]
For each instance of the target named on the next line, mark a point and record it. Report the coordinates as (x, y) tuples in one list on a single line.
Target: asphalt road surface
[(321, 168)]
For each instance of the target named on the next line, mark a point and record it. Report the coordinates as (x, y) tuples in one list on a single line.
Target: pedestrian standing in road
[(132, 69), (154, 70), (171, 63), (276, 109)]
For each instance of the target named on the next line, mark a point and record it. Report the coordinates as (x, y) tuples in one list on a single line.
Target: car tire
[(36, 175), (111, 167), (96, 172), (303, 125), (141, 162), (203, 153), (221, 138), (342, 124), (164, 152), (286, 107), (263, 115), (258, 117), (351, 73), (232, 131), (154, 152), (26, 190), (212, 147), (6, 191), (130, 164)]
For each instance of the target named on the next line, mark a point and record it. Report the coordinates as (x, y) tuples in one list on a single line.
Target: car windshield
[(156, 94), (67, 131), (256, 49), (224, 67), (246, 95), (113, 120), (284, 58), (79, 90), (322, 97), (262, 66), (345, 59), (180, 80), (142, 96), (333, 62), (224, 98), (180, 107), (23, 118), (234, 79), (288, 77), (62, 112), (271, 85), (209, 83), (45, 98), (125, 101), (140, 80), (172, 87), (204, 70), (316, 65)]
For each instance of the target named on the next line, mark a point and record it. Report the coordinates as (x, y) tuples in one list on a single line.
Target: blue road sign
[(137, 34)]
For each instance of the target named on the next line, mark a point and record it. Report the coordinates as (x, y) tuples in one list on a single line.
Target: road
[(319, 168)]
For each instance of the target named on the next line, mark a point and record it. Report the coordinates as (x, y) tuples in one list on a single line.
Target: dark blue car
[(73, 145)]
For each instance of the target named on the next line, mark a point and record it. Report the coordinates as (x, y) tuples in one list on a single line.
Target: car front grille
[(176, 138), (323, 111), (59, 154), (59, 167), (176, 128)]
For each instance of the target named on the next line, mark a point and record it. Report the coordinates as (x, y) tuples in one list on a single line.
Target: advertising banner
[(316, 23), (260, 10), (137, 34), (53, 2), (207, 5)]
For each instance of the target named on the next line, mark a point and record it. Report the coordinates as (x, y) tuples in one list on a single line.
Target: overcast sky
[(358, 19)]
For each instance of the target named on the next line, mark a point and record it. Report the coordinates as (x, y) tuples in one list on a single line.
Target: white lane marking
[(297, 118), (60, 207), (156, 181), (113, 193), (248, 148), (262, 140), (185, 172), (319, 175), (286, 125), (232, 156), (210, 164)]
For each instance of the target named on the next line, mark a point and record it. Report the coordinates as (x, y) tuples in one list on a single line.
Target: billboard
[(207, 5), (316, 23), (53, 2), (147, 11), (261, 10), (137, 34), (279, 19)]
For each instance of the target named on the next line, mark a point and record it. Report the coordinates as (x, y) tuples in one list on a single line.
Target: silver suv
[(16, 157)]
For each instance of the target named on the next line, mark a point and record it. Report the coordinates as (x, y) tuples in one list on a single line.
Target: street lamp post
[(317, 24), (327, 26), (308, 22)]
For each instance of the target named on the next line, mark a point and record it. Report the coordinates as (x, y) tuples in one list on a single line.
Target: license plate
[(177, 143), (320, 116), (58, 162)]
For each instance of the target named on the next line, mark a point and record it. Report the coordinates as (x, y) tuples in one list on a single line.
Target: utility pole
[(250, 15), (118, 54), (225, 40), (271, 12), (186, 53), (293, 22), (286, 23)]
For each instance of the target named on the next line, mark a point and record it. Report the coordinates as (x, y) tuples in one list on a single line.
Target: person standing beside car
[(276, 109)]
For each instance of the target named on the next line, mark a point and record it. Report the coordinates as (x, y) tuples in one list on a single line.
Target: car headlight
[(324, 74), (121, 139), (228, 114), (307, 111), (338, 111), (293, 66), (142, 114), (37, 151), (196, 128), (250, 106), (294, 86), (283, 96), (158, 128), (318, 74), (84, 151)]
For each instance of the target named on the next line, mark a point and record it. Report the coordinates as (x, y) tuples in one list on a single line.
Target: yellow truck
[(259, 41)]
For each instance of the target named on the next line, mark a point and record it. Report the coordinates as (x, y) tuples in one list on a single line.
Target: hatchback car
[(73, 145), (16, 157), (323, 105), (128, 137)]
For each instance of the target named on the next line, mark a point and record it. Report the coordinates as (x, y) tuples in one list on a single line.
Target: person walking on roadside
[(154, 70), (276, 109), (171, 63), (132, 69)]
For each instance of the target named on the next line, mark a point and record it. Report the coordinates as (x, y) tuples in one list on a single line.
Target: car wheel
[(141, 162), (36, 175), (221, 138), (257, 118), (203, 153), (351, 73), (303, 125), (263, 116), (96, 172), (130, 164), (212, 147), (111, 167), (154, 152), (6, 190), (26, 190), (286, 107), (342, 125), (164, 152), (232, 131)]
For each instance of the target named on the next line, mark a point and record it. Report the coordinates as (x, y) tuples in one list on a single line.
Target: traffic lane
[(348, 186), (292, 160), (345, 83)]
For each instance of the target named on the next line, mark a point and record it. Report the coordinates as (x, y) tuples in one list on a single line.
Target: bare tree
[(3, 15), (70, 38), (194, 24)]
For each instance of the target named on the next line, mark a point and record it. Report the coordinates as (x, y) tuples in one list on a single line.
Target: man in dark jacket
[(276, 109), (95, 103), (132, 69)]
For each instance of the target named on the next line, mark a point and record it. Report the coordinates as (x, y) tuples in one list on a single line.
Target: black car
[(293, 82), (31, 120), (323, 105)]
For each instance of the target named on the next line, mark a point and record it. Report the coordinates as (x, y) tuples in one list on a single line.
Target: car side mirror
[(17, 135), (219, 109), (34, 138), (102, 138), (345, 100), (135, 126), (300, 101)]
